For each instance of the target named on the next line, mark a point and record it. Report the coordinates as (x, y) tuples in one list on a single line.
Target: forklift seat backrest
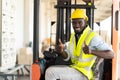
[(98, 68)]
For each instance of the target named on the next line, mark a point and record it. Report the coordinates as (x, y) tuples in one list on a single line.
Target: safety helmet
[(79, 13)]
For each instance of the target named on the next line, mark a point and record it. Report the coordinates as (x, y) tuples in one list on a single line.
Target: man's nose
[(77, 24)]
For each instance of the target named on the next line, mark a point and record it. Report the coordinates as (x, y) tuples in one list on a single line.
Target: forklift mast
[(64, 8)]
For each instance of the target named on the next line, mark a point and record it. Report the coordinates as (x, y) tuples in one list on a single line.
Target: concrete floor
[(23, 78), (16, 78), (22, 73)]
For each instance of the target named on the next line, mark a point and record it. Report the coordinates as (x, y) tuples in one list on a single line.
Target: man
[(83, 49)]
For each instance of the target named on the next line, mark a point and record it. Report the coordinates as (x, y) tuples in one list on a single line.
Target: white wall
[(28, 21), (19, 23), (47, 14), (106, 25), (24, 22), (44, 20)]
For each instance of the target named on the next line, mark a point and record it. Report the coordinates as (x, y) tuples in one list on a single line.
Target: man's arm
[(107, 54)]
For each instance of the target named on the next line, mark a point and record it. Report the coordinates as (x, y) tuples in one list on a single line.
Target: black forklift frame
[(36, 31)]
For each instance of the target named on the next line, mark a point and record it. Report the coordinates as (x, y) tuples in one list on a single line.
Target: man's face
[(78, 24)]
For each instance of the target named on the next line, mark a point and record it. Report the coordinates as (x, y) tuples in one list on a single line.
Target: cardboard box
[(25, 56)]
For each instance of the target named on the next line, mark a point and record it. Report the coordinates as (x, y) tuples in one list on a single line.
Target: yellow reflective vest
[(81, 61)]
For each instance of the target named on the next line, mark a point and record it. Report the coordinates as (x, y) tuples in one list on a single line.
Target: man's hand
[(60, 47), (86, 48)]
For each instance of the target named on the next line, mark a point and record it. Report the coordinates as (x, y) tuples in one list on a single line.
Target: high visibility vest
[(81, 61)]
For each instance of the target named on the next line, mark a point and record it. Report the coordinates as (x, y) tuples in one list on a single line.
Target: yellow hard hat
[(79, 13)]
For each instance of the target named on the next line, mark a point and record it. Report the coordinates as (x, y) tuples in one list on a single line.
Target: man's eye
[(73, 22), (80, 22)]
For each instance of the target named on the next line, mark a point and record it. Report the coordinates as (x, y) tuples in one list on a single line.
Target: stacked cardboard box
[(25, 56)]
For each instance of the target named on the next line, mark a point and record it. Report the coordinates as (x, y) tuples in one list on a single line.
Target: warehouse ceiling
[(103, 9)]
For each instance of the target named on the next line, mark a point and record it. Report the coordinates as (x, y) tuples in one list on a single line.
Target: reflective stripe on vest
[(81, 61)]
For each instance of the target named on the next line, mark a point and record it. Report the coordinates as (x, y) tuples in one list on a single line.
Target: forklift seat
[(98, 69)]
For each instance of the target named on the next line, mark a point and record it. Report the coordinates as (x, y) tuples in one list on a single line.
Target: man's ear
[(86, 22)]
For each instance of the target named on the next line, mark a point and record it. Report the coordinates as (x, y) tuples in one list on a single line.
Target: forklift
[(51, 57)]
